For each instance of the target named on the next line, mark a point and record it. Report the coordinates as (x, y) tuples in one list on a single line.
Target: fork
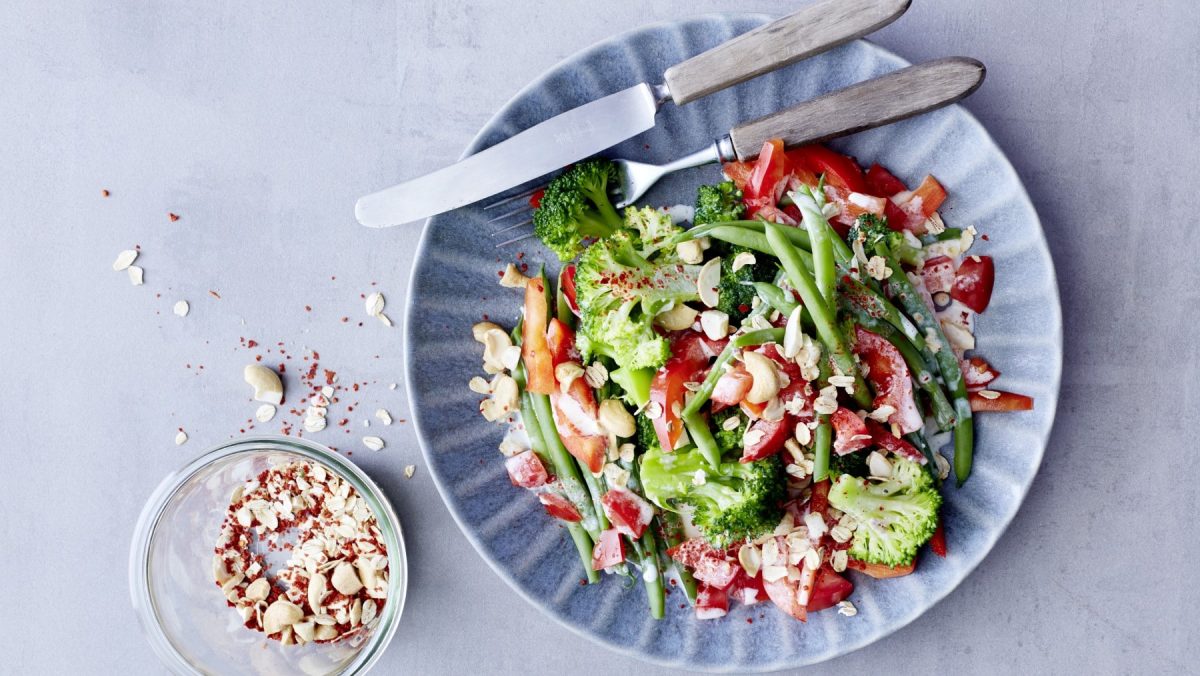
[(888, 98)]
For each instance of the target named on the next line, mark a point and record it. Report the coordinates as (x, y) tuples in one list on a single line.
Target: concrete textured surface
[(259, 123)]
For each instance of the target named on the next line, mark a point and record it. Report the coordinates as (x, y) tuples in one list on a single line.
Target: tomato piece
[(731, 387), (937, 543), (526, 470), (818, 503), (774, 434), (609, 550), (977, 372), (711, 603), (739, 173), (747, 590), (829, 589), (535, 351), (974, 282), (920, 204), (783, 594), (575, 414), (710, 566), (839, 170), (535, 200), (560, 339), (1007, 401), (888, 372), (628, 511), (850, 433), (882, 437), (938, 274), (568, 287), (690, 354), (559, 507), (770, 169), (880, 571), (882, 182)]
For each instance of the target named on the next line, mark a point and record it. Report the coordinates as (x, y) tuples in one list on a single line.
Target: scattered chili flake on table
[(105, 193), (174, 217)]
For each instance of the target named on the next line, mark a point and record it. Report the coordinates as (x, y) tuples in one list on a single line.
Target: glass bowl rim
[(164, 493)]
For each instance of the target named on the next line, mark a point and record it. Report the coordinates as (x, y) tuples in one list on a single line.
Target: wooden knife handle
[(889, 98), (814, 29)]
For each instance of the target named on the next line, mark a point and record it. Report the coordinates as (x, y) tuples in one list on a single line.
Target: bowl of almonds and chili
[(268, 555)]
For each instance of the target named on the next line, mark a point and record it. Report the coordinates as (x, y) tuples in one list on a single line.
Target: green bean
[(917, 439), (752, 239), (562, 307), (964, 427), (564, 465), (822, 444), (583, 541), (776, 297), (877, 305), (823, 319), (673, 537), (824, 272)]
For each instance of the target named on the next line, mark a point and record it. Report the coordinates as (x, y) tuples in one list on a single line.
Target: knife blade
[(595, 126)]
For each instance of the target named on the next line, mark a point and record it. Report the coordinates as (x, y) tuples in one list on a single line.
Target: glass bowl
[(184, 613)]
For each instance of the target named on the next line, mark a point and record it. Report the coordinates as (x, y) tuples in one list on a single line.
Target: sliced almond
[(326, 633), (317, 588), (181, 438), (373, 443), (267, 386), (384, 416), (706, 283), (742, 260), (750, 558), (135, 275), (409, 470), (495, 343), (125, 259), (181, 308), (305, 631), (264, 413)]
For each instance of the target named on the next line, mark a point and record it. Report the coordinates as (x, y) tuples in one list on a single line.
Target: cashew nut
[(616, 419), (345, 580), (279, 615), (677, 318), (480, 330), (513, 279), (766, 380), (267, 386), (497, 351)]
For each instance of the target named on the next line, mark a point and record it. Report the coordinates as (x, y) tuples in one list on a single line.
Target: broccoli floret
[(729, 441), (647, 437), (895, 516), (854, 464), (877, 238), (623, 334), (733, 503), (619, 292), (735, 293), (654, 230), (576, 206), (718, 203)]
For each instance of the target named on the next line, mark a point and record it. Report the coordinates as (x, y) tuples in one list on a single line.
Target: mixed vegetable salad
[(759, 400)]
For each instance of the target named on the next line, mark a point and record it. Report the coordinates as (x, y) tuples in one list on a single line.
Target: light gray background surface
[(259, 123)]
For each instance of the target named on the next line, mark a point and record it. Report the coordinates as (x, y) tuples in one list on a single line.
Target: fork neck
[(720, 151)]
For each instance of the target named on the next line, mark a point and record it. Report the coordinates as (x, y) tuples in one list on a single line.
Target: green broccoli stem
[(608, 214), (697, 427), (943, 412), (564, 466), (583, 541), (827, 329), (702, 395), (672, 528), (900, 288)]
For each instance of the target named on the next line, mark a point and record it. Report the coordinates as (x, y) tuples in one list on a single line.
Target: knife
[(584, 131)]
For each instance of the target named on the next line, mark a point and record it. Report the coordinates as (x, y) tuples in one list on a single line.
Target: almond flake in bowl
[(268, 555)]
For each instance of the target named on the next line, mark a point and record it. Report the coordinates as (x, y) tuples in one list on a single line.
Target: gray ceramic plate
[(454, 285)]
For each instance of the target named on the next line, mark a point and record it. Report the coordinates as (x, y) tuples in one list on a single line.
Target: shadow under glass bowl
[(182, 611)]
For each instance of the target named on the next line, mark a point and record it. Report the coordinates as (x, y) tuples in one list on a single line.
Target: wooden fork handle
[(889, 98), (814, 29)]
